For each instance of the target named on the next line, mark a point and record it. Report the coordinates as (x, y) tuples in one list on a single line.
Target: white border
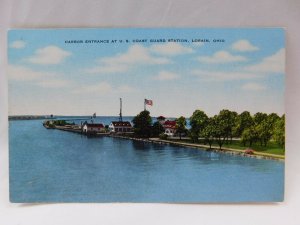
[(142, 13)]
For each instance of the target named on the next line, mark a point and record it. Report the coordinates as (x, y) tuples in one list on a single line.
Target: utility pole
[(120, 118)]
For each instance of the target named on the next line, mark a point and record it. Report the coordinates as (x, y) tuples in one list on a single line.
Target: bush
[(163, 136)]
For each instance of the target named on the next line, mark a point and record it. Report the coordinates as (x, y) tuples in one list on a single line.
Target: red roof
[(161, 118), (121, 124), (98, 125), (169, 124)]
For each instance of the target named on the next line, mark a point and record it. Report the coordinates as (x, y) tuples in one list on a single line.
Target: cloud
[(198, 44), (100, 88), (103, 88), (41, 79), (18, 44), (170, 49), (21, 73), (221, 57), (126, 89), (253, 87), (224, 76), (110, 68), (136, 54), (49, 55), (123, 62), (244, 46), (54, 83), (165, 75), (271, 64)]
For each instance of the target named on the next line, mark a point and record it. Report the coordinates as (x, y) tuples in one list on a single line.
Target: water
[(57, 166)]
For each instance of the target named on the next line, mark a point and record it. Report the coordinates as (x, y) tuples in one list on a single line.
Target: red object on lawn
[(249, 151)]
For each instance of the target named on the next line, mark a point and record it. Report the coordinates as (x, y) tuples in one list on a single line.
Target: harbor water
[(48, 165)]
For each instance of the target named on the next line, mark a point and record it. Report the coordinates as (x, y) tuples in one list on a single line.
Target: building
[(89, 128), (161, 119), (120, 127), (170, 127)]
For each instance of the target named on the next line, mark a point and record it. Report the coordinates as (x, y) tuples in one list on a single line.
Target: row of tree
[(221, 128)]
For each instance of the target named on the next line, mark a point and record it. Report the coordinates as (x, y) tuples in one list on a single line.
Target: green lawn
[(272, 147)]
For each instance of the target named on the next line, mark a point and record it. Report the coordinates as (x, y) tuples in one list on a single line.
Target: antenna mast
[(120, 118)]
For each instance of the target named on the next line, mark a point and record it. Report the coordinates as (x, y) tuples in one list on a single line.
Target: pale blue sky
[(48, 76)]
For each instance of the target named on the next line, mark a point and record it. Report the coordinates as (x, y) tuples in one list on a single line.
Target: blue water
[(57, 166)]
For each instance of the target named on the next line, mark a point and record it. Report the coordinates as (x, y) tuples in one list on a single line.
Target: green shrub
[(163, 136)]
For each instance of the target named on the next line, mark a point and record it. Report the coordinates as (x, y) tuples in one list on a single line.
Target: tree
[(197, 121), (157, 129), (249, 135), (181, 126), (220, 128), (265, 127), (226, 119), (243, 121), (259, 117), (208, 133), (279, 131), (142, 124)]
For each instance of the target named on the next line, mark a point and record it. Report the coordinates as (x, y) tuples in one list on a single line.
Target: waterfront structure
[(120, 127), (89, 128), (170, 127)]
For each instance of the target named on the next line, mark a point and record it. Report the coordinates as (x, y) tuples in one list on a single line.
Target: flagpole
[(144, 104)]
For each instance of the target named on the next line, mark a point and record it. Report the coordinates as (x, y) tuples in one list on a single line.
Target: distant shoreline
[(28, 117)]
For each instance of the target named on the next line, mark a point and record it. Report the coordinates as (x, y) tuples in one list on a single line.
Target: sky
[(83, 71)]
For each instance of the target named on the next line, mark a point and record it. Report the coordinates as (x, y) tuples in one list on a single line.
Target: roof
[(99, 125), (121, 124), (161, 118), (169, 124)]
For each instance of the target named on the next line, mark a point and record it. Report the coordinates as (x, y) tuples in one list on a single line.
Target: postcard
[(169, 115)]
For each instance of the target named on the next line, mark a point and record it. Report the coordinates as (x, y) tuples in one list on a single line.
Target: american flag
[(148, 102)]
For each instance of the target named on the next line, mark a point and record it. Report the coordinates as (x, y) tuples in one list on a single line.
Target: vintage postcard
[(146, 115)]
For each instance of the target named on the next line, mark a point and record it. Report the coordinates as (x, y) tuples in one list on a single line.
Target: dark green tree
[(227, 119), (209, 132), (279, 131), (181, 126), (220, 128), (259, 117), (265, 127), (157, 129), (142, 124), (243, 121), (197, 121)]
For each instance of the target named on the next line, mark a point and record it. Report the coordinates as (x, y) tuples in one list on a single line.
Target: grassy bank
[(271, 148)]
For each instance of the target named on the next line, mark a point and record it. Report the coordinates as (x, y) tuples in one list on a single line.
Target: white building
[(120, 127), (93, 128), (170, 127)]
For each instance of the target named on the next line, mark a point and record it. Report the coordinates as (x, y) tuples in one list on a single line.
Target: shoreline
[(231, 151)]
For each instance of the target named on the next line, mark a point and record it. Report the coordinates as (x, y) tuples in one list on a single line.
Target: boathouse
[(120, 127), (93, 128), (170, 127)]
